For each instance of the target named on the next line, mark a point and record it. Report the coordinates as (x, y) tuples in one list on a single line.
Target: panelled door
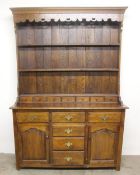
[(33, 143), (103, 142)]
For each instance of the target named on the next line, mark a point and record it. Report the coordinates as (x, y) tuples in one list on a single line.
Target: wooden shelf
[(70, 45), (70, 70), (69, 95)]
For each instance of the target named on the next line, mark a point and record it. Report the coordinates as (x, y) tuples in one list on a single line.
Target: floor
[(130, 166)]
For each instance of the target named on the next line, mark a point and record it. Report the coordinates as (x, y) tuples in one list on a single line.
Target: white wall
[(130, 67)]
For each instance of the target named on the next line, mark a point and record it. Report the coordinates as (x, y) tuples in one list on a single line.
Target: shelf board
[(70, 70), (69, 45), (69, 95)]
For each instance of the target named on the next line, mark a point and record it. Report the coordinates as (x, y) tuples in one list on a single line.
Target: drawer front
[(68, 117), (67, 143), (68, 157), (68, 130), (32, 117), (104, 116)]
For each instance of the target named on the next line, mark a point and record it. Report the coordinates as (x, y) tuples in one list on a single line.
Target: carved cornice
[(68, 14)]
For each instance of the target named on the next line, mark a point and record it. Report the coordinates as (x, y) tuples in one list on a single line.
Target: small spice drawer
[(32, 117), (68, 129), (104, 116), (68, 143), (68, 157), (68, 117)]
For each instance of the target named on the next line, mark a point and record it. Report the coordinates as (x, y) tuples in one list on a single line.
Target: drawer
[(32, 117), (68, 117), (68, 157), (67, 143), (68, 130), (104, 116)]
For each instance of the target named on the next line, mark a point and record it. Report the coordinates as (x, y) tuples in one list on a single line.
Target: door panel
[(33, 141), (103, 143)]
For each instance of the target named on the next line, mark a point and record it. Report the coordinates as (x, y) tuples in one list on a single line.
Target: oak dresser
[(68, 112)]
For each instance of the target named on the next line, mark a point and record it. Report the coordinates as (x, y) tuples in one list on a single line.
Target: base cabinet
[(94, 140)]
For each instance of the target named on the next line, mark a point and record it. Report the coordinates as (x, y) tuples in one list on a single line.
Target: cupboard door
[(103, 144), (33, 142)]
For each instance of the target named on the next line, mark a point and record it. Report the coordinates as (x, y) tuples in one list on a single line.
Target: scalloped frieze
[(67, 17)]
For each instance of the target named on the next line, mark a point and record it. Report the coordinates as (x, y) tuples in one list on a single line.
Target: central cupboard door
[(103, 142), (33, 143)]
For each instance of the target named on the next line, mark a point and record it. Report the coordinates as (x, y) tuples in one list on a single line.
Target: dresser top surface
[(69, 106)]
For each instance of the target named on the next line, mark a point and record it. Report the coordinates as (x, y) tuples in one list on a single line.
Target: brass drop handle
[(104, 118), (68, 159), (68, 144), (33, 118), (68, 131), (68, 117)]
